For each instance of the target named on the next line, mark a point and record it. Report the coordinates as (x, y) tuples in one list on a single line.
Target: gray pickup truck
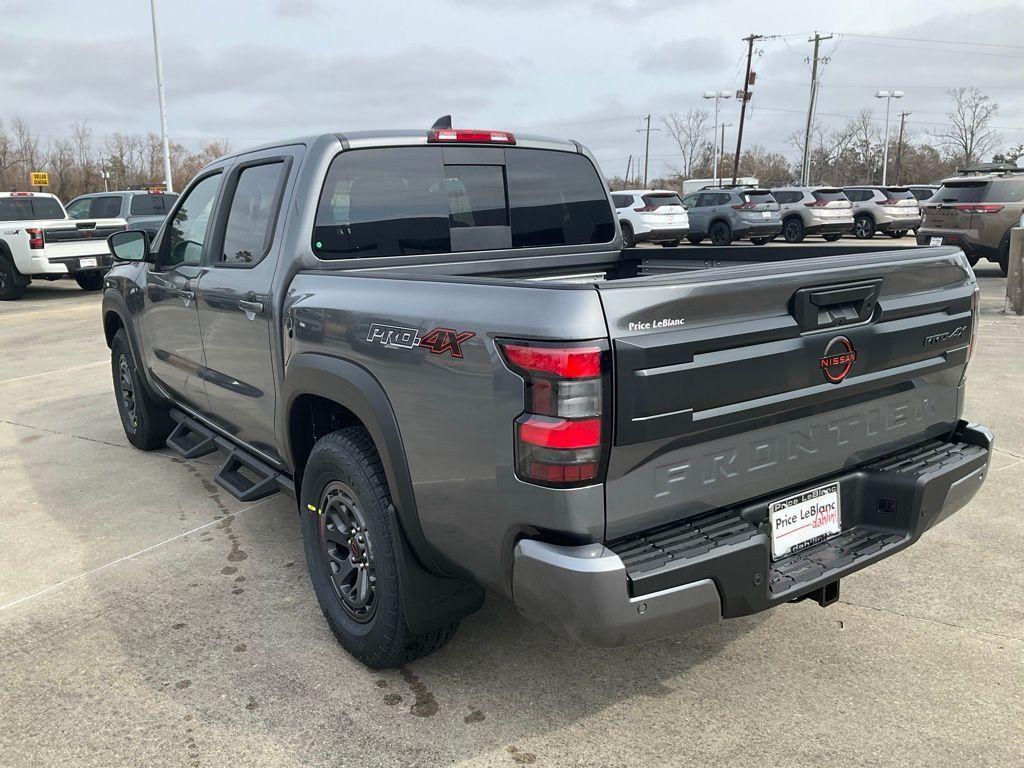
[(435, 342)]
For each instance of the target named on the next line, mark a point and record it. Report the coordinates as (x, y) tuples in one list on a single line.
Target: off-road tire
[(793, 230), (384, 640), (89, 282), (721, 233), (10, 290), (146, 424)]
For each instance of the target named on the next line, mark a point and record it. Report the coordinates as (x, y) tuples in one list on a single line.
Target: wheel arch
[(323, 393)]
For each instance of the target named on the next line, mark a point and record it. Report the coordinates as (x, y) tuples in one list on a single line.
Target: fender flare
[(114, 303), (355, 388)]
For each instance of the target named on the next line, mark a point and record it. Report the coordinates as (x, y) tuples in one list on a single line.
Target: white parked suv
[(651, 216), (38, 240)]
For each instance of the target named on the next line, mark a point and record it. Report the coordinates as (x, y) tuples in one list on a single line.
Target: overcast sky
[(258, 70)]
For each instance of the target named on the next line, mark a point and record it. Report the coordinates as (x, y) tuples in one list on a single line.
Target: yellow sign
[(40, 179)]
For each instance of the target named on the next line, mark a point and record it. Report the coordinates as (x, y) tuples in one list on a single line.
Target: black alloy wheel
[(346, 551)]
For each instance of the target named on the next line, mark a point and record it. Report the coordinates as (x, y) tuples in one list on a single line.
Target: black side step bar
[(244, 476), (190, 439)]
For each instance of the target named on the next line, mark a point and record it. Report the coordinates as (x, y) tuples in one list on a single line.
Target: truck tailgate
[(79, 238), (742, 381)]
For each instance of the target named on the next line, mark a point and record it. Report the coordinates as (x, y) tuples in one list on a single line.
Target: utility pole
[(888, 96), (805, 177), (168, 184), (899, 147), (629, 166), (647, 145), (749, 39)]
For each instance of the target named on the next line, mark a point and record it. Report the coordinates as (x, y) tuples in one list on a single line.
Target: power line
[(928, 40), (939, 50)]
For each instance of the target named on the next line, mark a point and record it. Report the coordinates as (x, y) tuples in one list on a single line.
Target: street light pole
[(717, 96), (168, 183), (888, 96)]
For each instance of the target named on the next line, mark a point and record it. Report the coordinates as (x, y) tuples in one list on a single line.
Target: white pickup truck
[(38, 240)]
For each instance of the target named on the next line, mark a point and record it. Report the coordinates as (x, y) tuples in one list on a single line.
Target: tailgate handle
[(834, 305)]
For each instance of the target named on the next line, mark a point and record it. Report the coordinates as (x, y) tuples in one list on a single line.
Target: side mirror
[(129, 245)]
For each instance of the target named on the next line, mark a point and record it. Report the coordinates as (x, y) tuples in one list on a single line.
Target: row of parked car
[(743, 213), (974, 210)]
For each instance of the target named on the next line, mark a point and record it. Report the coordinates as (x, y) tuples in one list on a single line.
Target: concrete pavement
[(146, 618)]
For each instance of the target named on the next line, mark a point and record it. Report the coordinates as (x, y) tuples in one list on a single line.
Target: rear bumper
[(886, 224), (661, 235), (769, 228), (696, 572), (73, 264), (966, 240)]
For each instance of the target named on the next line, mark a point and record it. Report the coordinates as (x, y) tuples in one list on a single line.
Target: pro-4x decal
[(438, 341), (441, 340)]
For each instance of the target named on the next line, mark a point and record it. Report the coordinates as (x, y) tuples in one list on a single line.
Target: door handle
[(187, 296), (251, 308)]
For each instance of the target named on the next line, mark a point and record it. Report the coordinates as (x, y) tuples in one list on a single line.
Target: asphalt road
[(148, 619)]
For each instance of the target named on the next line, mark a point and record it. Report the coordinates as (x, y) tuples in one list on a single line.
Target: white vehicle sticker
[(804, 520)]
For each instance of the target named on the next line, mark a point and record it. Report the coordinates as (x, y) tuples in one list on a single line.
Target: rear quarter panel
[(456, 413)]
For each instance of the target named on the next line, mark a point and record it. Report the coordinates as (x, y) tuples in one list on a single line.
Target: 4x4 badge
[(838, 359)]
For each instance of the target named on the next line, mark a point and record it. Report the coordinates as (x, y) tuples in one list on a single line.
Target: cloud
[(299, 9), (693, 54)]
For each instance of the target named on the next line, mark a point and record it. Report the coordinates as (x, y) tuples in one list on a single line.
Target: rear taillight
[(561, 438), (746, 206), (469, 136), (817, 204), (978, 208), (646, 209), (35, 239)]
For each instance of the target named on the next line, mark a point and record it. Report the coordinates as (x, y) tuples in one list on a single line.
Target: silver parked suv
[(892, 210), (725, 215), (824, 211)]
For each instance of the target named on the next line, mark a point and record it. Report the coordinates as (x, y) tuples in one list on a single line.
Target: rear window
[(828, 195), (151, 205), (406, 200), (898, 193), (961, 192), (758, 196), (660, 199), (29, 209)]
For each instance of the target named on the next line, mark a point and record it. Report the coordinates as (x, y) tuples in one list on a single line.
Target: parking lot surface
[(147, 618)]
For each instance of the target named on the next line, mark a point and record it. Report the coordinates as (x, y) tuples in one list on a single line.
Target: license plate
[(86, 263), (804, 520), (935, 241), (766, 214)]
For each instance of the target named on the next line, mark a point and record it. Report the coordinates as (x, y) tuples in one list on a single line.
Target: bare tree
[(689, 133), (969, 137)]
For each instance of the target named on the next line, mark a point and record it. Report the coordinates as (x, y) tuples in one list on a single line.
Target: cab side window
[(79, 209), (187, 231), (250, 223)]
